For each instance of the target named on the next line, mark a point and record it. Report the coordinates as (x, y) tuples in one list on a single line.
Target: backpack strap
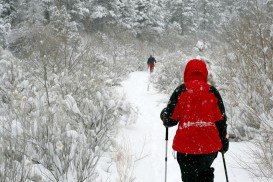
[(222, 124), (220, 101)]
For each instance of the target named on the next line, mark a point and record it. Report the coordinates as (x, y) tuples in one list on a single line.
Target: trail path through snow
[(147, 138)]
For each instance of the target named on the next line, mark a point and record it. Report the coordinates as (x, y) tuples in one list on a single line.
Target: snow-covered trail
[(147, 138)]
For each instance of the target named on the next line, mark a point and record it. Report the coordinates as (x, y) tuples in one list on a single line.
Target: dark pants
[(196, 168)]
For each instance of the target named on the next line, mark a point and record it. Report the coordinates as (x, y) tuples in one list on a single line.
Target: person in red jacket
[(198, 109)]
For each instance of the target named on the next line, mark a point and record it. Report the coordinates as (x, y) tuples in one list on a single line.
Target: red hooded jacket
[(197, 111)]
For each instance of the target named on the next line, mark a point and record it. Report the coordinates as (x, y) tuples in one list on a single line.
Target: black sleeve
[(222, 124), (167, 112)]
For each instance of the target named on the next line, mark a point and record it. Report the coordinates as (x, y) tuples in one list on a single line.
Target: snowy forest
[(62, 63)]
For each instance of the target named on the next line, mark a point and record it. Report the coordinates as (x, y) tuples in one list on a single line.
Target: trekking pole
[(166, 157), (224, 161)]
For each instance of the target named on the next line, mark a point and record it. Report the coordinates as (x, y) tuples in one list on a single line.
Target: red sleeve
[(176, 112)]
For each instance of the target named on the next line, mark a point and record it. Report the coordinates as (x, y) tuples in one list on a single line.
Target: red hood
[(196, 69)]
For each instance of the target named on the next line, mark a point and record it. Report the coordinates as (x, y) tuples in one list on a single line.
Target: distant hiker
[(151, 63), (198, 109)]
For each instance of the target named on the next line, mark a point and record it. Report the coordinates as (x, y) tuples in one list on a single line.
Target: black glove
[(163, 114), (222, 129), (167, 122), (225, 145), (163, 117)]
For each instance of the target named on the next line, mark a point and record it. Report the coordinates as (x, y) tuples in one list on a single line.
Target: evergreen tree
[(141, 20), (123, 13), (207, 14), (31, 12), (157, 15), (183, 12), (102, 14), (7, 10)]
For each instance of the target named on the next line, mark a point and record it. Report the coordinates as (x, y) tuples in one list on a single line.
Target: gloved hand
[(163, 114), (167, 122), (225, 145)]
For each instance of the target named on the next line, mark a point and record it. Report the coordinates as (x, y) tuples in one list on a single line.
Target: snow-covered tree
[(7, 10), (246, 72), (59, 119), (62, 60), (183, 13)]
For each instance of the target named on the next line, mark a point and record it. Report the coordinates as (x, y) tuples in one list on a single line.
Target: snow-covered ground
[(146, 138)]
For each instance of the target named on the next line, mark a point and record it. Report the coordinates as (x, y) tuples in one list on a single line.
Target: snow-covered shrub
[(263, 155), (247, 82), (59, 110), (246, 69), (63, 128), (119, 44), (170, 68), (169, 72), (59, 106), (125, 163)]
